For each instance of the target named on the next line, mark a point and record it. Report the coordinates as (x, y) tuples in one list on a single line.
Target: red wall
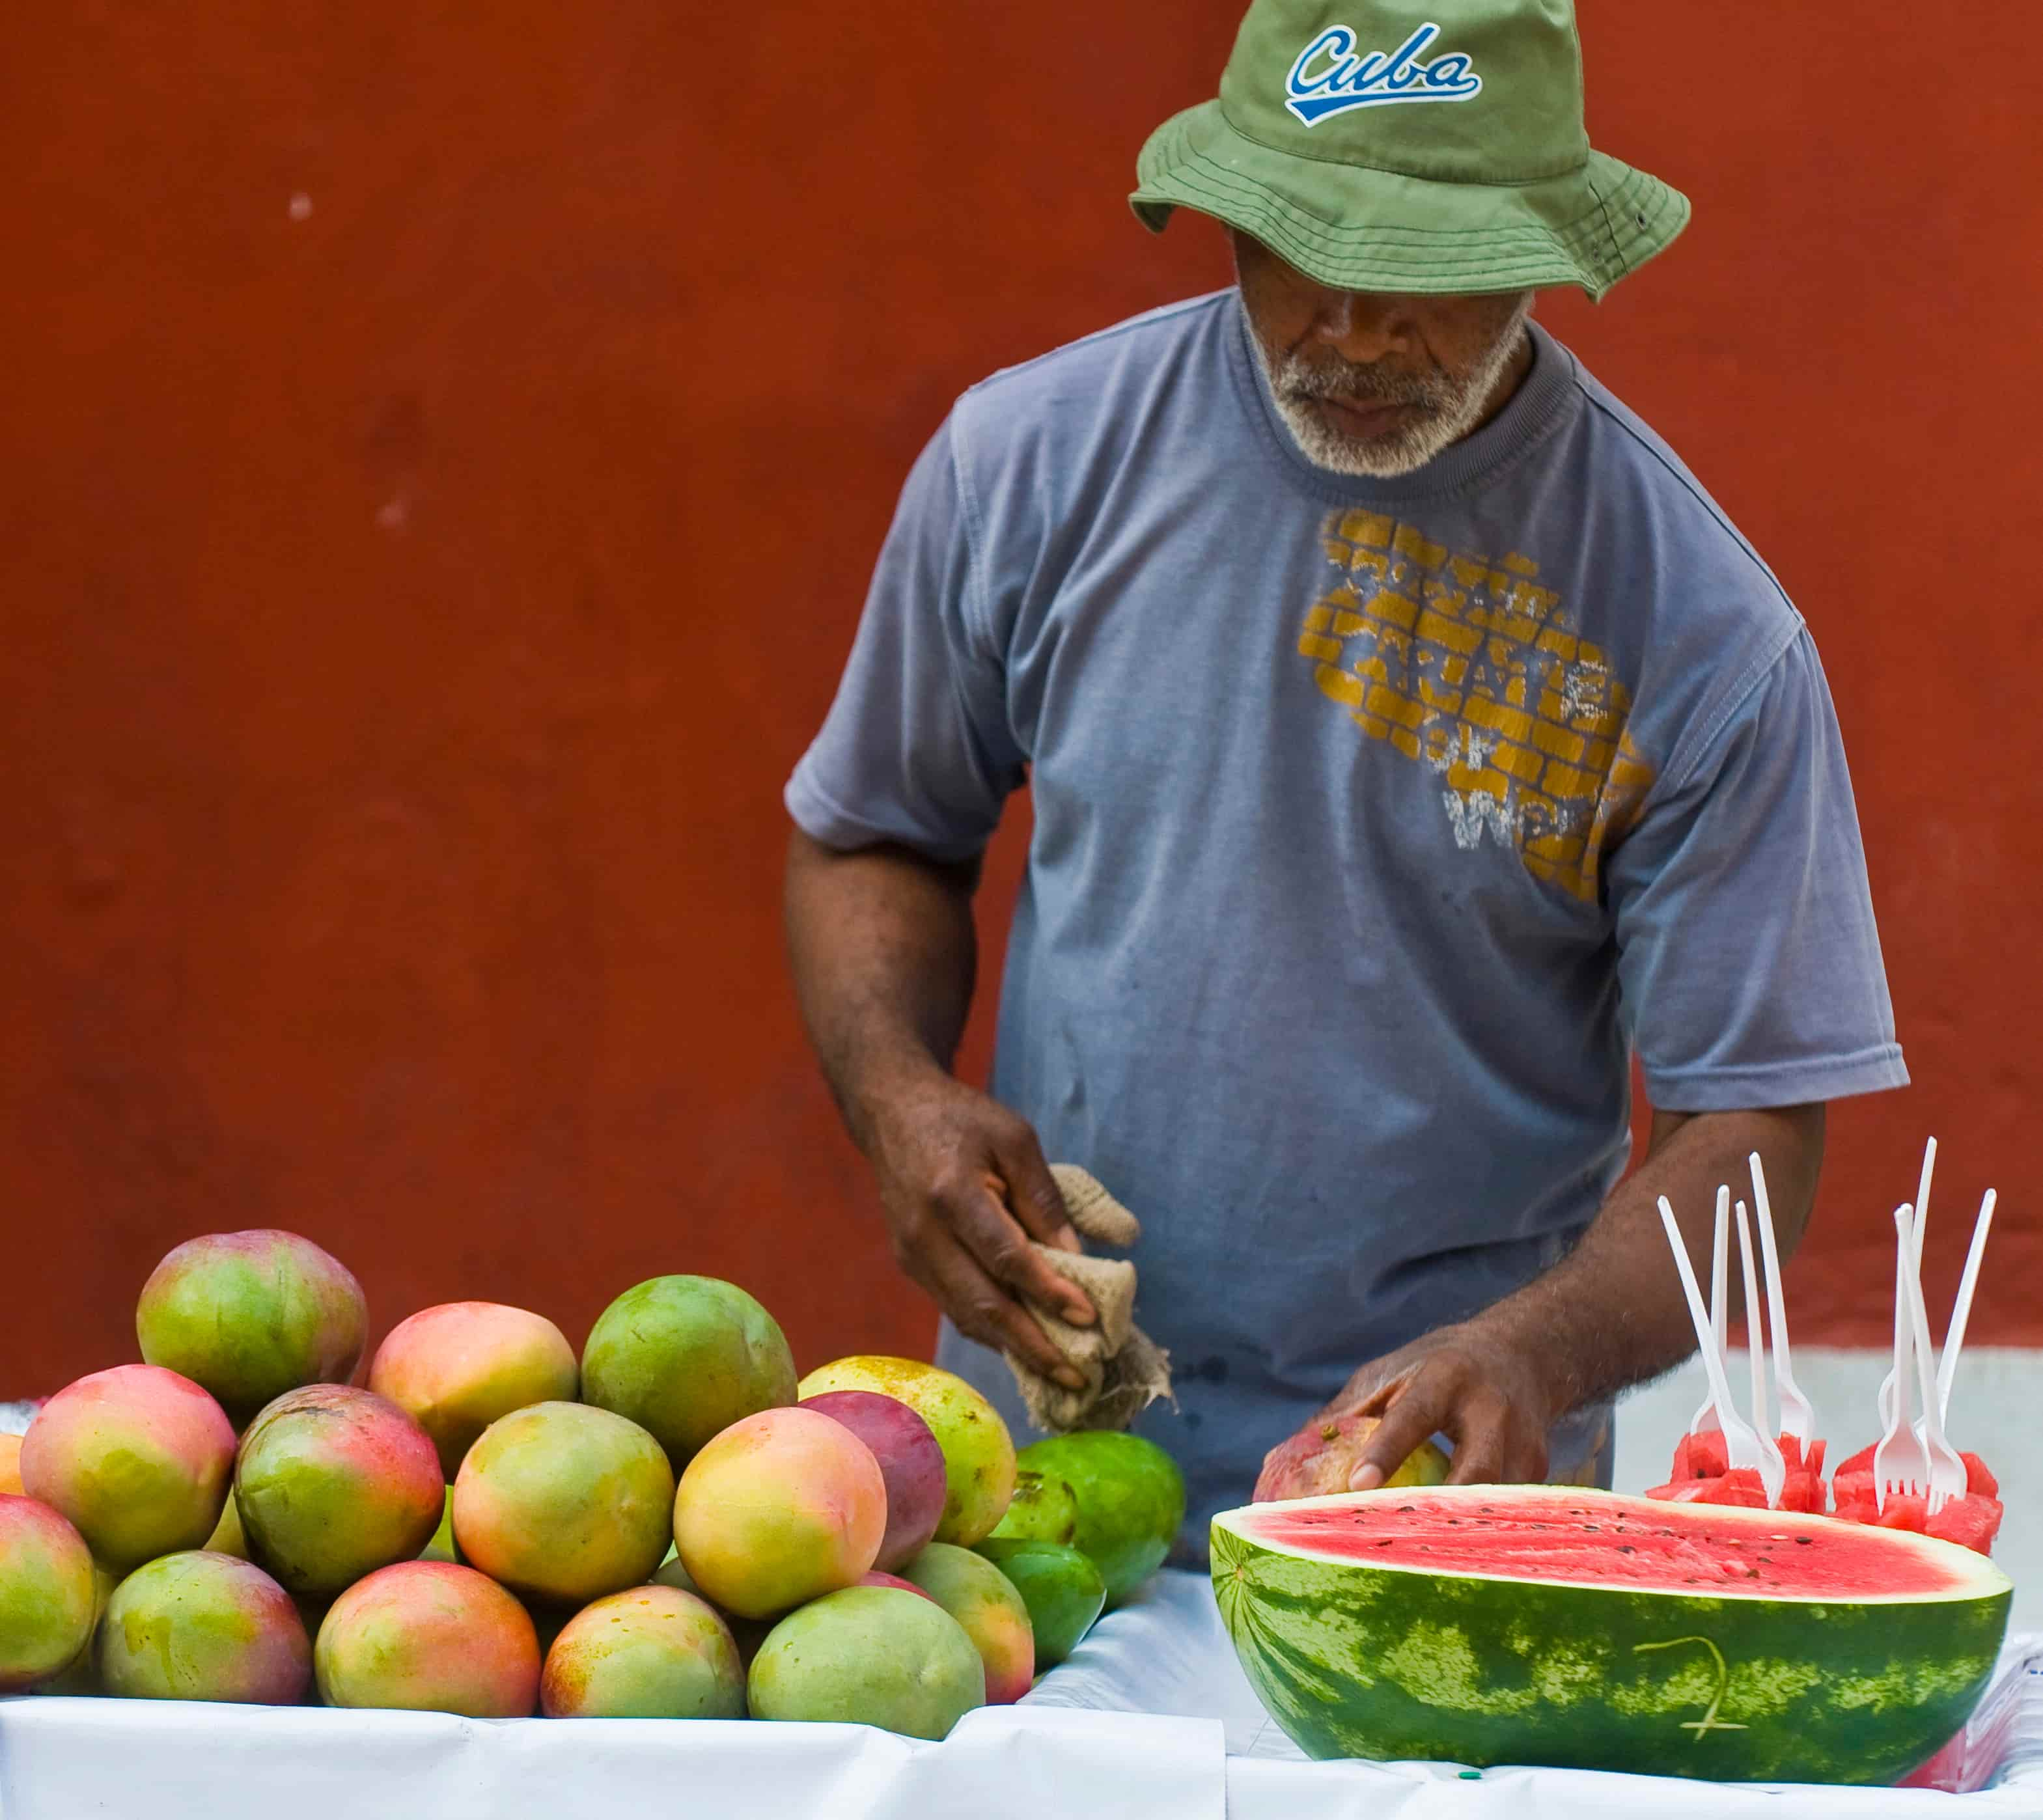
[(414, 597)]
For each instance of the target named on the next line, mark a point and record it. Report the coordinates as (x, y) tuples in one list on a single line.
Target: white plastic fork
[(1798, 1414), (1706, 1416), (1773, 1466), (1920, 1217), (1954, 1336), (1947, 1471), (1741, 1446), (1901, 1463)]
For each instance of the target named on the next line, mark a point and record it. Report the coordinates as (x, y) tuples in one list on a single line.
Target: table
[(1151, 1716)]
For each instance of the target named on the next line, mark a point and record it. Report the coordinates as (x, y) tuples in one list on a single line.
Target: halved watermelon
[(1528, 1624)]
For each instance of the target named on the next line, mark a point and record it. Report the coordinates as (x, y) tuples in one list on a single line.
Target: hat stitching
[(1609, 226), (1164, 166), (1219, 180), (1334, 235), (1607, 250), (1528, 264), (1606, 262)]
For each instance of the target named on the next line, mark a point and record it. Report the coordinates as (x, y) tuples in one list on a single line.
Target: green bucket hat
[(1436, 147)]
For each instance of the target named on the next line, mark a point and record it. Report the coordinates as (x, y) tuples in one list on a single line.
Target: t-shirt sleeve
[(917, 748), (1749, 958)]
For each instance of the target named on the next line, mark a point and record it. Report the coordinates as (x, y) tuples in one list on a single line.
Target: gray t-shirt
[(1377, 823)]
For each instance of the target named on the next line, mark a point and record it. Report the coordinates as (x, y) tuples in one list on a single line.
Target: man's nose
[(1362, 326)]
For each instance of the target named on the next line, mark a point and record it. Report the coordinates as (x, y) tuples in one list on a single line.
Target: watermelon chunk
[(1979, 1475), (1972, 1520), (1702, 1474), (1791, 1451), (1741, 1486), (1805, 1491), (1549, 1625), (1703, 1455)]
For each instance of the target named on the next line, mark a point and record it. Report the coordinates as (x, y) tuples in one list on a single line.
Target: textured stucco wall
[(444, 448)]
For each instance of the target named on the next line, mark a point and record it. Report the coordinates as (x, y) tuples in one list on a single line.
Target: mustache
[(1298, 379)]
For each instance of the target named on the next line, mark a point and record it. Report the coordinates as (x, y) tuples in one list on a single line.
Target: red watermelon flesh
[(1972, 1520), (1806, 1490), (1705, 1456), (1741, 1486), (1791, 1451), (1702, 1474), (1970, 1760), (1702, 1455), (1979, 1475), (1607, 1544), (1943, 1771)]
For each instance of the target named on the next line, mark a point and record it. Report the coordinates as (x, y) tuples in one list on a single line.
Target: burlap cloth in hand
[(1125, 1370)]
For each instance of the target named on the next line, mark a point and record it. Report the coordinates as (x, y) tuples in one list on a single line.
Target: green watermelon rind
[(1354, 1660)]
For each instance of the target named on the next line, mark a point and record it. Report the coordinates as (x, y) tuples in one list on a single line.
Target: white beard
[(1448, 410)]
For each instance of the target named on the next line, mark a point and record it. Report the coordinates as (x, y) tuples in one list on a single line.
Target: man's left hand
[(1486, 1394)]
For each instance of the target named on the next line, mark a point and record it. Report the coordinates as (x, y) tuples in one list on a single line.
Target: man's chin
[(1406, 442), (1368, 425)]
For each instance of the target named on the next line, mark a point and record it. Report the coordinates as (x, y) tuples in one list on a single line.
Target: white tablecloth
[(1089, 1741), (62, 1759)]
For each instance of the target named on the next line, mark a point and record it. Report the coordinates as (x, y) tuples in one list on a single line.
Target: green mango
[(1062, 1587), (1043, 1508), (1116, 1497)]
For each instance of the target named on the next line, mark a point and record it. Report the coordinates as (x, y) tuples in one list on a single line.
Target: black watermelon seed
[(1805, 1540)]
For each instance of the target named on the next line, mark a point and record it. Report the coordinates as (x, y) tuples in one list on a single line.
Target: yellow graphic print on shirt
[(1473, 669)]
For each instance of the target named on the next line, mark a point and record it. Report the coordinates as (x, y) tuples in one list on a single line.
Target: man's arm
[(1611, 1314), (885, 955)]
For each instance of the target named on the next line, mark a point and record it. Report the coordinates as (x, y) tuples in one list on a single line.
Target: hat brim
[(1385, 231)]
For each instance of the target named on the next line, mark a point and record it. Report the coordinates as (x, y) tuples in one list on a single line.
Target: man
[(1411, 743)]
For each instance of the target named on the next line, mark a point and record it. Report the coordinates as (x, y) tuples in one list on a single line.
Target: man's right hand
[(883, 949), (965, 1188)]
